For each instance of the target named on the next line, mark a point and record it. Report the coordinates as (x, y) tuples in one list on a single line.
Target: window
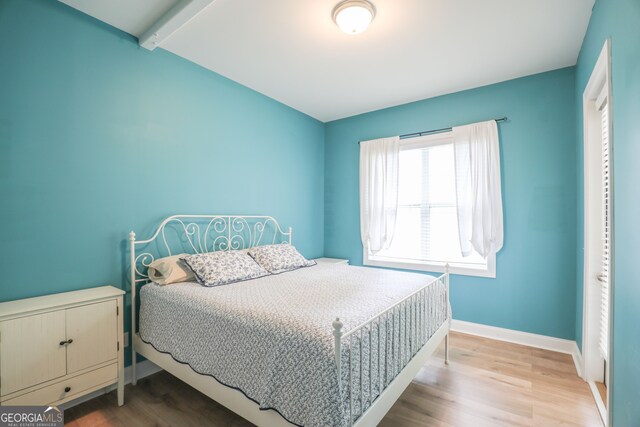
[(426, 232)]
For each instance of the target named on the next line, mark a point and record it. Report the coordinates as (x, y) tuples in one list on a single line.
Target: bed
[(324, 345)]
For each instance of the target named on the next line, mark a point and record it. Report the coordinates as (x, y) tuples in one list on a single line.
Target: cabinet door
[(93, 329), (30, 350)]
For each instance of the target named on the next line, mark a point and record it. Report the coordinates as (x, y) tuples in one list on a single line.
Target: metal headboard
[(204, 233), (197, 234)]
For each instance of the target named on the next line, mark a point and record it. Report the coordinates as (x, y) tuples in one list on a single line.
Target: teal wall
[(618, 20), (99, 136), (535, 286)]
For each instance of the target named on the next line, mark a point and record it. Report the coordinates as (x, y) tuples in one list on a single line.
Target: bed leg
[(134, 376), (446, 349), (134, 291), (446, 337)]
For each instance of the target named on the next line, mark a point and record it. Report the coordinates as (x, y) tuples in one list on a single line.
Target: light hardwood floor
[(487, 383)]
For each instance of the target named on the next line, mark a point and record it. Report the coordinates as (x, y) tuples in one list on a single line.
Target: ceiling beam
[(175, 18)]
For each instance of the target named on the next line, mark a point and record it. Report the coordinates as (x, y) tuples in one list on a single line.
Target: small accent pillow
[(171, 269), (223, 267), (279, 258)]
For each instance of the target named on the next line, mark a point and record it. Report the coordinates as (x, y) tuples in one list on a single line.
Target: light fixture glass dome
[(354, 16)]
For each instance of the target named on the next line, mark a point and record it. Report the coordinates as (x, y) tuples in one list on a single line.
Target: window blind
[(604, 277)]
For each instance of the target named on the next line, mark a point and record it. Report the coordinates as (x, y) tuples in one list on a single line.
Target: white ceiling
[(292, 51)]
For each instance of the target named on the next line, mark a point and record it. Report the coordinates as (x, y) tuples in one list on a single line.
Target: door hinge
[(118, 346), (117, 310)]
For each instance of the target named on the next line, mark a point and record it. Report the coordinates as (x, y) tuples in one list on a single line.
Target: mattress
[(271, 337)]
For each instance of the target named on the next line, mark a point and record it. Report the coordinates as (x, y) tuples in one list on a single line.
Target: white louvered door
[(599, 229), (604, 276)]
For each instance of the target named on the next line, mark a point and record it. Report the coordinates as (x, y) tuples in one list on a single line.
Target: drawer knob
[(69, 341), (67, 389)]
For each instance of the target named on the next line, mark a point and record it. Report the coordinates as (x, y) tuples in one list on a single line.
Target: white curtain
[(379, 163), (478, 189)]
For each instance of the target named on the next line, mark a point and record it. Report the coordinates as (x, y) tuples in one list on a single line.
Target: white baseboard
[(524, 338), (577, 359), (145, 369), (602, 409)]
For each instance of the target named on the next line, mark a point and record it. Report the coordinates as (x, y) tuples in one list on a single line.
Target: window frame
[(465, 269)]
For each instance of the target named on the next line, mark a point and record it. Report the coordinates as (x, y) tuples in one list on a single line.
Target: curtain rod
[(442, 130)]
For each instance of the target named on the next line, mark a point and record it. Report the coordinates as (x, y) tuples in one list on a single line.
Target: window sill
[(454, 268)]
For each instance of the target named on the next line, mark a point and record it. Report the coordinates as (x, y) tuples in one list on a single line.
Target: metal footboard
[(406, 340)]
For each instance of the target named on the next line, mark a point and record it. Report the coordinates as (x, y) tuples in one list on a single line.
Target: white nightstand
[(331, 261), (59, 347)]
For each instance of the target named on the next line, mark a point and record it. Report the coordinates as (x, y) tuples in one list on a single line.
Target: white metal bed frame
[(231, 232)]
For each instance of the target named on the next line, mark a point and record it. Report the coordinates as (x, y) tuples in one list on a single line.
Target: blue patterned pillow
[(222, 268), (279, 258)]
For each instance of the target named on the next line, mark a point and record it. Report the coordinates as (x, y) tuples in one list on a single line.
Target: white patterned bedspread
[(272, 337)]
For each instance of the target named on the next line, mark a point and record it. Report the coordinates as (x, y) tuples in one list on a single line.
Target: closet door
[(31, 351), (92, 330)]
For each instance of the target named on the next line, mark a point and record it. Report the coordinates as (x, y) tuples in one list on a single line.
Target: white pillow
[(279, 258), (223, 267), (171, 269)]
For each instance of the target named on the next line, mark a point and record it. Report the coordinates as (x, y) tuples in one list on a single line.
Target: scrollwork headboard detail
[(200, 234)]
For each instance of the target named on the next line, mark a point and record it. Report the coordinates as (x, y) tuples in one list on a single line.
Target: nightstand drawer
[(67, 388)]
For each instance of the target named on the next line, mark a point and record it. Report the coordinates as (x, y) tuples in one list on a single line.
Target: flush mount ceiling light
[(353, 16)]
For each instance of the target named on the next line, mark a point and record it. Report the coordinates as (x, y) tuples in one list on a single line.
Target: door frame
[(593, 368)]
